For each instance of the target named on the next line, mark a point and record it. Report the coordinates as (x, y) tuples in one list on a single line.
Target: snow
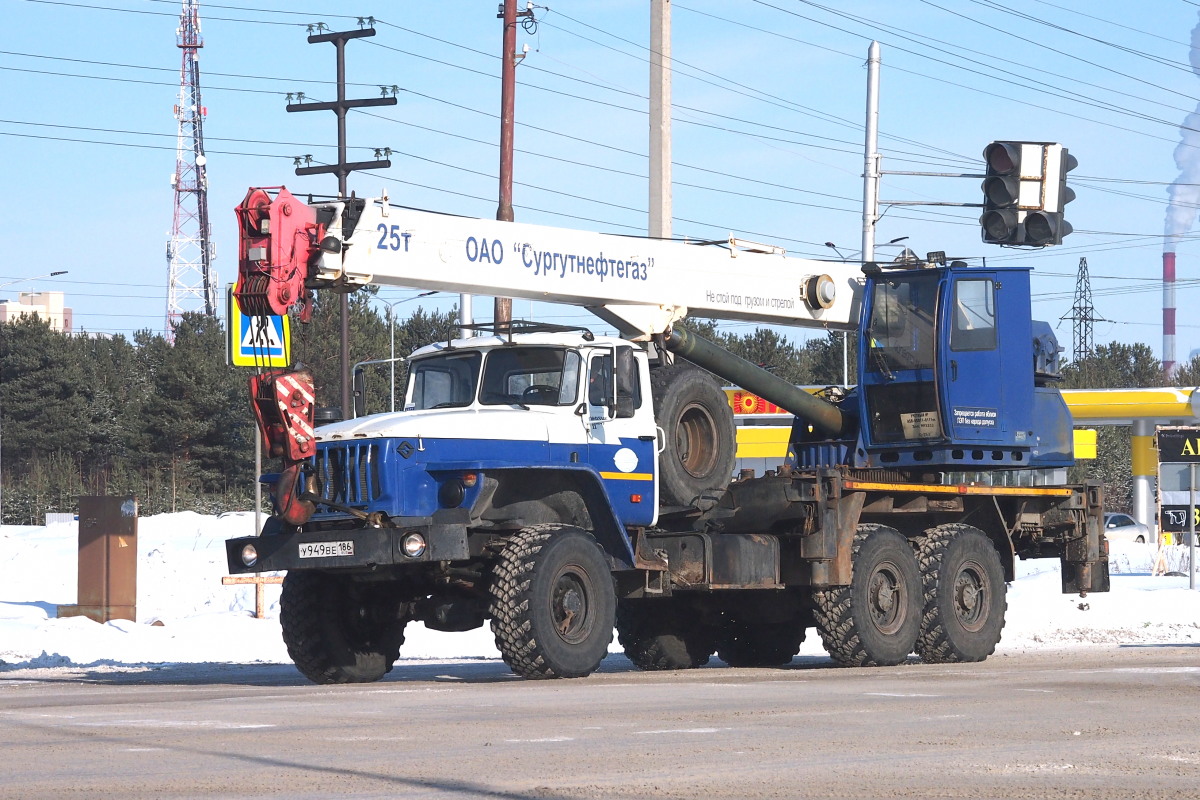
[(187, 616)]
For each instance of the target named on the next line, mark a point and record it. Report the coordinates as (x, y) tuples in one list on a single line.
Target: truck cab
[(546, 407)]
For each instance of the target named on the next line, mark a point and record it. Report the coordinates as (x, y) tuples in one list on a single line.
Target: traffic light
[(1024, 191), (1001, 193), (1047, 225)]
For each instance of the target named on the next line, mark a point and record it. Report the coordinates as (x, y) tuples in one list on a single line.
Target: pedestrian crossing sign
[(257, 341)]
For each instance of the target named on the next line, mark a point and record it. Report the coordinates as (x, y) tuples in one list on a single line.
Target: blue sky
[(769, 101)]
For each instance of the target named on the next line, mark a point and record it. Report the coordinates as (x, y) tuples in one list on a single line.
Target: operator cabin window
[(444, 381), (901, 332), (974, 315), (544, 376), (902, 401)]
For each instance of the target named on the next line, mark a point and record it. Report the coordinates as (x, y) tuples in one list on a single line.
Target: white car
[(1124, 528)]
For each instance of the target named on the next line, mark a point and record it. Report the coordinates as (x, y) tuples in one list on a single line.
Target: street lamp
[(35, 278), (54, 274), (391, 312)]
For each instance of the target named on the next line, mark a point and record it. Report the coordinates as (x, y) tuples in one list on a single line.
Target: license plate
[(326, 549)]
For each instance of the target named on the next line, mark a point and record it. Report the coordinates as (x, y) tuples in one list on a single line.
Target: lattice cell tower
[(1083, 314), (191, 281)]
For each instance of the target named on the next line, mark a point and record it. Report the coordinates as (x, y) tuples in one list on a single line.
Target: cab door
[(971, 370), (621, 446)]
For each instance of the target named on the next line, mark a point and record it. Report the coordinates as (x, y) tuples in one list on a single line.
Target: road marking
[(167, 723), (1149, 670), (543, 740), (1180, 759), (899, 694), (685, 730)]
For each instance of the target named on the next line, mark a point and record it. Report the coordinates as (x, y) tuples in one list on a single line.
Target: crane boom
[(640, 285)]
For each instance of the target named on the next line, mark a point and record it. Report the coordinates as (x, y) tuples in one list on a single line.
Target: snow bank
[(186, 615)]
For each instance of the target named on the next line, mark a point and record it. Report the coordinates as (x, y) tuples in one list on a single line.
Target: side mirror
[(625, 407), (626, 368), (360, 393)]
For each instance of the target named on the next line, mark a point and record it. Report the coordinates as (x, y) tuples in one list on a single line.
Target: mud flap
[(1085, 558), (830, 547)]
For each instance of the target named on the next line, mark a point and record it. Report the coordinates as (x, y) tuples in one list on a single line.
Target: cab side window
[(600, 381), (974, 315)]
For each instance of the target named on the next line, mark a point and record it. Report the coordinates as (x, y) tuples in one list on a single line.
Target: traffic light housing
[(1047, 225), (1024, 193)]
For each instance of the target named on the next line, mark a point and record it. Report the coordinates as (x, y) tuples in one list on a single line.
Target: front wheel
[(964, 595), (553, 603), (338, 630), (875, 620)]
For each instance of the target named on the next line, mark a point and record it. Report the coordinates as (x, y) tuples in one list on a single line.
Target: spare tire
[(697, 422)]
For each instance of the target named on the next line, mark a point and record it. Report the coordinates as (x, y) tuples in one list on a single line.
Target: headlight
[(451, 493), (249, 555), (413, 545)]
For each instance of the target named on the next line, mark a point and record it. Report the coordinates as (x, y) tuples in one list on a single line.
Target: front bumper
[(327, 549)]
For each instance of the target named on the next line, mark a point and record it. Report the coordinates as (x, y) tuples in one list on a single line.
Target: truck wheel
[(965, 595), (339, 631), (697, 422), (657, 635), (762, 645), (553, 603), (873, 622)]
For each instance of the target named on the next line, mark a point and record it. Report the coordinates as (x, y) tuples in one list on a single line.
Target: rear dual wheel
[(965, 595), (873, 622), (762, 645), (661, 634)]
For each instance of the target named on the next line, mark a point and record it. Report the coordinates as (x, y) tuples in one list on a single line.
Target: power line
[(1166, 62), (926, 57)]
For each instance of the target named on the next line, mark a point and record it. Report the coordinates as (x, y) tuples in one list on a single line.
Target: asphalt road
[(1114, 722)]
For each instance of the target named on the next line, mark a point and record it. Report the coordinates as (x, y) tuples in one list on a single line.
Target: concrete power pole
[(870, 213), (660, 119)]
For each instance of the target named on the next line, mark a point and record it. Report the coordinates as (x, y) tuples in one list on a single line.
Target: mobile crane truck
[(560, 483)]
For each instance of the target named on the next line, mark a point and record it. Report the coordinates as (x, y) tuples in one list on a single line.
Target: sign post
[(1178, 455), (265, 343)]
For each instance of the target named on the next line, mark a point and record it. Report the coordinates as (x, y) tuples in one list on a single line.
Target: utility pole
[(343, 168), (508, 101), (870, 213), (191, 284), (660, 119)]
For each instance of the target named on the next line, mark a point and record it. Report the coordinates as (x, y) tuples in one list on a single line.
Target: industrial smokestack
[(1181, 210), (1168, 324)]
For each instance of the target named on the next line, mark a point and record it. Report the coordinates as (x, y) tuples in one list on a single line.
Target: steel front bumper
[(329, 549)]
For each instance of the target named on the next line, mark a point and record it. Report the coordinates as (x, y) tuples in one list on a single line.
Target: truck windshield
[(443, 381), (547, 376), (901, 332)]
